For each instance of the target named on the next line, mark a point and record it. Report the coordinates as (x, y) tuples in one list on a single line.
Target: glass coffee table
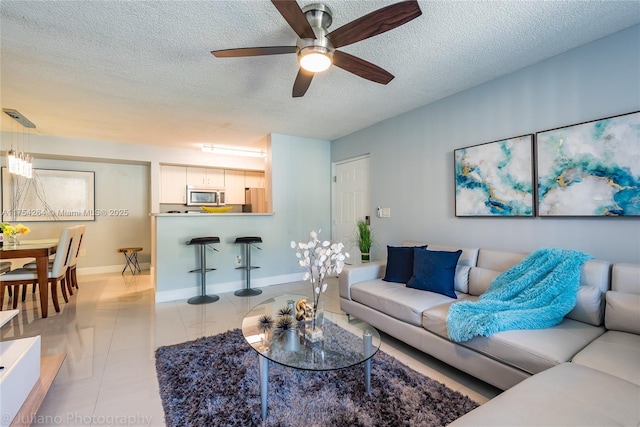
[(343, 344)]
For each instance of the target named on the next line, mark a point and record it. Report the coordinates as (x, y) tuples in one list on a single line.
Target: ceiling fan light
[(315, 59)]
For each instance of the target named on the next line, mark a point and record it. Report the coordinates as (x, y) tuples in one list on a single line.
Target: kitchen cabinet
[(173, 184), (234, 187), (174, 180), (253, 179), (205, 177)]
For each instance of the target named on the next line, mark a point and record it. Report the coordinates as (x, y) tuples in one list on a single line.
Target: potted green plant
[(364, 239)]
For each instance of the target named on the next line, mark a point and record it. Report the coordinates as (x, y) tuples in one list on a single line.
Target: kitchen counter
[(173, 259), (201, 214)]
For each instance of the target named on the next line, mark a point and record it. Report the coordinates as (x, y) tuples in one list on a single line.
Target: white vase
[(12, 241)]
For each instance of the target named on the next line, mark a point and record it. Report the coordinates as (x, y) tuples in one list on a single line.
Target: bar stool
[(131, 258), (248, 242), (202, 242)]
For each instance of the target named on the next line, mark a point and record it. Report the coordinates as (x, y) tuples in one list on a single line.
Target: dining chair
[(57, 272), (5, 266), (71, 277)]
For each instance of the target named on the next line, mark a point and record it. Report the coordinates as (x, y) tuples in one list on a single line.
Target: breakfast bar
[(173, 258)]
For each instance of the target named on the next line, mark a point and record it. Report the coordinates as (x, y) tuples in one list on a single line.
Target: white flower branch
[(321, 259)]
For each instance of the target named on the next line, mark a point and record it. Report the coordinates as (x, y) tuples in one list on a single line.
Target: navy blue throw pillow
[(435, 271), (399, 264)]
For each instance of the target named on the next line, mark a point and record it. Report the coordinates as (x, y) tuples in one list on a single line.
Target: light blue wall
[(412, 154), (301, 173), (301, 182)]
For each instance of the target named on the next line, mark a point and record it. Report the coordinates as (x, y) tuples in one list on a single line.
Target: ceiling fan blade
[(361, 68), (292, 13), (303, 80), (374, 23), (253, 51)]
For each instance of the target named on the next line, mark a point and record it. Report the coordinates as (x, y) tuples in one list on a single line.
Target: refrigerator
[(255, 201)]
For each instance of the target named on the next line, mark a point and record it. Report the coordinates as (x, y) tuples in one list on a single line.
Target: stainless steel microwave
[(201, 196)]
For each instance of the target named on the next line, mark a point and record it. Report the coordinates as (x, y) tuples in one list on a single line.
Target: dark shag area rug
[(214, 381)]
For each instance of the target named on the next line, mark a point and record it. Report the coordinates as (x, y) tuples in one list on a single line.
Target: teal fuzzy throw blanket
[(535, 294)]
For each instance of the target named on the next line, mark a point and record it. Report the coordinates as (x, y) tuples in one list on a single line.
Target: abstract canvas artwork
[(590, 169), (51, 195), (495, 179)]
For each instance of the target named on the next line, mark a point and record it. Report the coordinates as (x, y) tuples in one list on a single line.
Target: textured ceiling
[(141, 71)]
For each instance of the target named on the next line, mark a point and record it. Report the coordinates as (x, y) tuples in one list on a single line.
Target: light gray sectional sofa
[(583, 371)]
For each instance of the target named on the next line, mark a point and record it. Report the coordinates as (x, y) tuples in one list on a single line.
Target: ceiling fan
[(317, 48)]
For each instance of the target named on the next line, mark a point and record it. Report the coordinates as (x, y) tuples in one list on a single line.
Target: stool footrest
[(198, 270), (246, 268)]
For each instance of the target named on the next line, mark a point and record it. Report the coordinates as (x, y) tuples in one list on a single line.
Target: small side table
[(131, 258)]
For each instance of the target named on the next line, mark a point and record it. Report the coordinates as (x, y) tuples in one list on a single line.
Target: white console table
[(25, 377)]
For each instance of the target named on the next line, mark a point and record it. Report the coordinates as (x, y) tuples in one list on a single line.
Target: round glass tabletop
[(343, 343)]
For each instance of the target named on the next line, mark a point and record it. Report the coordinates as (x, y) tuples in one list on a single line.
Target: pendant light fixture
[(19, 162)]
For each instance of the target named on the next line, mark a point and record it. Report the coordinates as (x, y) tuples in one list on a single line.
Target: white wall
[(412, 154)]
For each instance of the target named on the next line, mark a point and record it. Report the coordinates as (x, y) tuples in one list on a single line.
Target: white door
[(350, 201)]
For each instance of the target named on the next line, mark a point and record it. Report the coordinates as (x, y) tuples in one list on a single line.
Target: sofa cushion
[(396, 300), (467, 260), (622, 312), (532, 351), (616, 353), (469, 256), (480, 279), (461, 280), (625, 278), (499, 260), (399, 264), (434, 271), (589, 306), (594, 282), (490, 264), (566, 395)]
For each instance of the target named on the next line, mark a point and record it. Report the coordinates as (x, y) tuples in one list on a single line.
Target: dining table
[(41, 250)]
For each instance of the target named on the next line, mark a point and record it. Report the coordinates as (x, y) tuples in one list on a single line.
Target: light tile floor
[(111, 328)]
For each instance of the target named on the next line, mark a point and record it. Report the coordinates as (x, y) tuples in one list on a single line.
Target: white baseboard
[(86, 271), (185, 293), (217, 288)]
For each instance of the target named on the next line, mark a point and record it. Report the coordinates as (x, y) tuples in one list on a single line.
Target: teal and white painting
[(590, 169), (495, 179)]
